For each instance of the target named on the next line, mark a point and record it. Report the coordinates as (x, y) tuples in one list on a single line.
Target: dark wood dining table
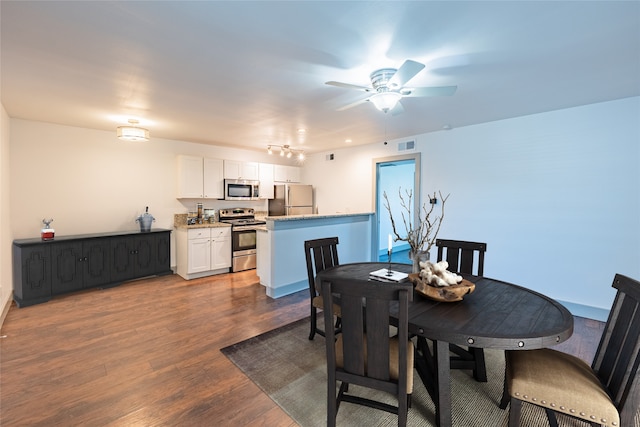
[(497, 315)]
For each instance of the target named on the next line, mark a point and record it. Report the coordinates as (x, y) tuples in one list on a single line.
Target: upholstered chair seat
[(393, 359), (542, 377), (607, 393)]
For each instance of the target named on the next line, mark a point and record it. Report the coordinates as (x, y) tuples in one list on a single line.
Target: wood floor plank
[(147, 353), (143, 353)]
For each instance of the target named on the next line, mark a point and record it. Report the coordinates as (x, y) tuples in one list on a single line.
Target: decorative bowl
[(450, 293)]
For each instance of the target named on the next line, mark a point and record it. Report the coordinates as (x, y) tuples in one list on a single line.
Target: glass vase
[(416, 258)]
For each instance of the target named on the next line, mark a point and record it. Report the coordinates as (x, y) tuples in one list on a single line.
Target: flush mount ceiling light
[(286, 151), (132, 132)]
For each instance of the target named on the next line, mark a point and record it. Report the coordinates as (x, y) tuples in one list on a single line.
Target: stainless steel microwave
[(241, 189)]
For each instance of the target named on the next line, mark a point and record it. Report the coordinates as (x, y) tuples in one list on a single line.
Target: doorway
[(393, 174)]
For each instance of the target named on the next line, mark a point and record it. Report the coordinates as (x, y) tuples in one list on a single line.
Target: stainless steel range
[(243, 236)]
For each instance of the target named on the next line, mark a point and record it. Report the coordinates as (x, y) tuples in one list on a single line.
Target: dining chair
[(460, 255), (320, 254), (365, 353), (607, 393)]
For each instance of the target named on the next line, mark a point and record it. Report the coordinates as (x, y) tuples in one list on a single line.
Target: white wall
[(89, 181), (6, 236), (556, 196)]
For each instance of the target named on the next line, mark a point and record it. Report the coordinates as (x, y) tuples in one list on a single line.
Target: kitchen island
[(281, 263)]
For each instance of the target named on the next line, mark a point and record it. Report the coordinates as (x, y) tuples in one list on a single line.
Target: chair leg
[(314, 322), (514, 413), (480, 370), (505, 395), (332, 401), (551, 416), (403, 410)]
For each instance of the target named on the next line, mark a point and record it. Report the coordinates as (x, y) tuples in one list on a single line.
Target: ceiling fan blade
[(350, 86), (405, 73), (353, 104), (398, 109), (429, 91)]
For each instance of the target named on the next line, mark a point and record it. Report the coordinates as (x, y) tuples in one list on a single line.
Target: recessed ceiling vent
[(408, 145)]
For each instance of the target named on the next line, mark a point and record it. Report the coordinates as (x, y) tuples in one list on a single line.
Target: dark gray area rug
[(292, 371)]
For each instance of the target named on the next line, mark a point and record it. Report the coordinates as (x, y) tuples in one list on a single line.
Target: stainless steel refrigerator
[(291, 199)]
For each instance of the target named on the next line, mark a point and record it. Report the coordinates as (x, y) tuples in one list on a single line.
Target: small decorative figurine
[(47, 232)]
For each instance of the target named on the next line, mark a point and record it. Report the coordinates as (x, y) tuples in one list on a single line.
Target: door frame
[(376, 196)]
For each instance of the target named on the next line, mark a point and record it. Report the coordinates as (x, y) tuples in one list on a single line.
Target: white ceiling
[(248, 74)]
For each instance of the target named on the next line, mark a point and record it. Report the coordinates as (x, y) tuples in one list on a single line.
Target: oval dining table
[(496, 315)]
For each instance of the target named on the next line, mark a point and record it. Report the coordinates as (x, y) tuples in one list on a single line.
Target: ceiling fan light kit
[(385, 101), (132, 132)]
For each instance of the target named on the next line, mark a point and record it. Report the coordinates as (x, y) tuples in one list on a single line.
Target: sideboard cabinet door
[(140, 255), (31, 274), (66, 267), (96, 262)]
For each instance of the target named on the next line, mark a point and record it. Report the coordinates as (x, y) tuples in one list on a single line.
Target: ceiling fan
[(388, 87)]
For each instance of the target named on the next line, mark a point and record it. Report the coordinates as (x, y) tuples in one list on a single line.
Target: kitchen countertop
[(314, 216), (205, 225)]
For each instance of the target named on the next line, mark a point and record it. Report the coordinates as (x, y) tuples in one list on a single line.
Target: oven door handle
[(245, 228)]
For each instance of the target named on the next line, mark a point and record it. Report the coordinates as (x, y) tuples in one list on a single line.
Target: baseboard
[(586, 311), (5, 310), (288, 289)]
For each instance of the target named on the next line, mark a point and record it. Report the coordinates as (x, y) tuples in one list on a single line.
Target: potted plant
[(421, 235)]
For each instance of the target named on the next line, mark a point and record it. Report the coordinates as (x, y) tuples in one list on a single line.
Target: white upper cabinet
[(234, 169), (200, 178), (213, 179), (266, 180), (283, 173)]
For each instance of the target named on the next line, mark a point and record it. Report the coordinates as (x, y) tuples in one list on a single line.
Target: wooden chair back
[(618, 355), (320, 254), (460, 255), (365, 306)]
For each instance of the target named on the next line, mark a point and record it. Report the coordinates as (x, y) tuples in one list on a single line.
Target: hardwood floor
[(146, 353)]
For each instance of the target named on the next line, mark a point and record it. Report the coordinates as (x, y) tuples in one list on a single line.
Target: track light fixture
[(286, 151)]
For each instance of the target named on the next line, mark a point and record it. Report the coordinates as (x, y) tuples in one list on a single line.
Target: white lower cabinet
[(220, 248), (203, 251)]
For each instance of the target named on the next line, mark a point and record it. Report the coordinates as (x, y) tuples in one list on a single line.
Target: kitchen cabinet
[(42, 269), (79, 264), (213, 178), (220, 248), (203, 251), (200, 178), (266, 171), (234, 169), (284, 173)]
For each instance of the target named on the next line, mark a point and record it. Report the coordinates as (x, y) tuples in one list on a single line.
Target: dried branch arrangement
[(423, 236)]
